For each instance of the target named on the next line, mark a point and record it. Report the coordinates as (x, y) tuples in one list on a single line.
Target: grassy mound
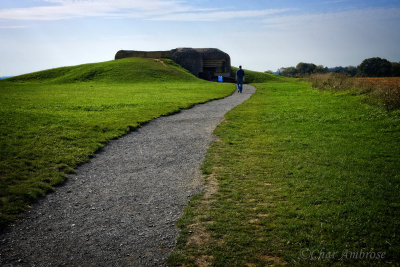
[(54, 120), (257, 77), (125, 70)]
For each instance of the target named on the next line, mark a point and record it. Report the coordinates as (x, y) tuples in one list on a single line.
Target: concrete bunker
[(205, 63)]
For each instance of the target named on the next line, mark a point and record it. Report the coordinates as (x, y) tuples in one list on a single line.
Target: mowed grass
[(52, 121), (299, 177)]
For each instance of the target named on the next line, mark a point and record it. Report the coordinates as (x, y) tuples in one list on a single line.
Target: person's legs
[(240, 86)]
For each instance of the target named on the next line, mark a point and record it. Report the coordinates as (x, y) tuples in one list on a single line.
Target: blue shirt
[(240, 74)]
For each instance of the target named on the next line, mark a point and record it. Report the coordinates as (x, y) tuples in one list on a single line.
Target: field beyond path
[(299, 177), (121, 208)]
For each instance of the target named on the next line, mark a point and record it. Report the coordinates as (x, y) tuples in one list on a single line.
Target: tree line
[(370, 67)]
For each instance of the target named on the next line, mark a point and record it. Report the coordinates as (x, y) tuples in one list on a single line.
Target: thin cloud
[(12, 26), (69, 9), (336, 38), (160, 10), (335, 1), (218, 15), (350, 18)]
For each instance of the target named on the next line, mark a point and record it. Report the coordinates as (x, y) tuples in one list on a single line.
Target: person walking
[(239, 79)]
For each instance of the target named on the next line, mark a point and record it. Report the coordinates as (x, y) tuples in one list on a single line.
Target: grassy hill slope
[(126, 70), (54, 120), (257, 77)]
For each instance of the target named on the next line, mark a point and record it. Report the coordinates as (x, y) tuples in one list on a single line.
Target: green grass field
[(297, 176), (52, 121)]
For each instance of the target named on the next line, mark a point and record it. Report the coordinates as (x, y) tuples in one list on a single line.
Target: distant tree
[(351, 70), (269, 71), (305, 68), (321, 69), (338, 69), (288, 71), (396, 69), (375, 67)]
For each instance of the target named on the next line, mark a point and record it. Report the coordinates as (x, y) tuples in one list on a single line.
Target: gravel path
[(120, 209)]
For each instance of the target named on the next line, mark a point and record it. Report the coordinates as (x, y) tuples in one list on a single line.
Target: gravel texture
[(121, 208)]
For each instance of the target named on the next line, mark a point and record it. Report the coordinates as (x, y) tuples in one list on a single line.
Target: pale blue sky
[(260, 35)]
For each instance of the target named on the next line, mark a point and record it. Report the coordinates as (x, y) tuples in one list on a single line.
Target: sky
[(257, 34)]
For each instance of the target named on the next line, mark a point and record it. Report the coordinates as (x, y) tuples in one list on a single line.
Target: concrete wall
[(206, 63), (144, 54)]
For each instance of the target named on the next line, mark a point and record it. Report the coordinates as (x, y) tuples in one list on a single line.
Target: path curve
[(121, 208)]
